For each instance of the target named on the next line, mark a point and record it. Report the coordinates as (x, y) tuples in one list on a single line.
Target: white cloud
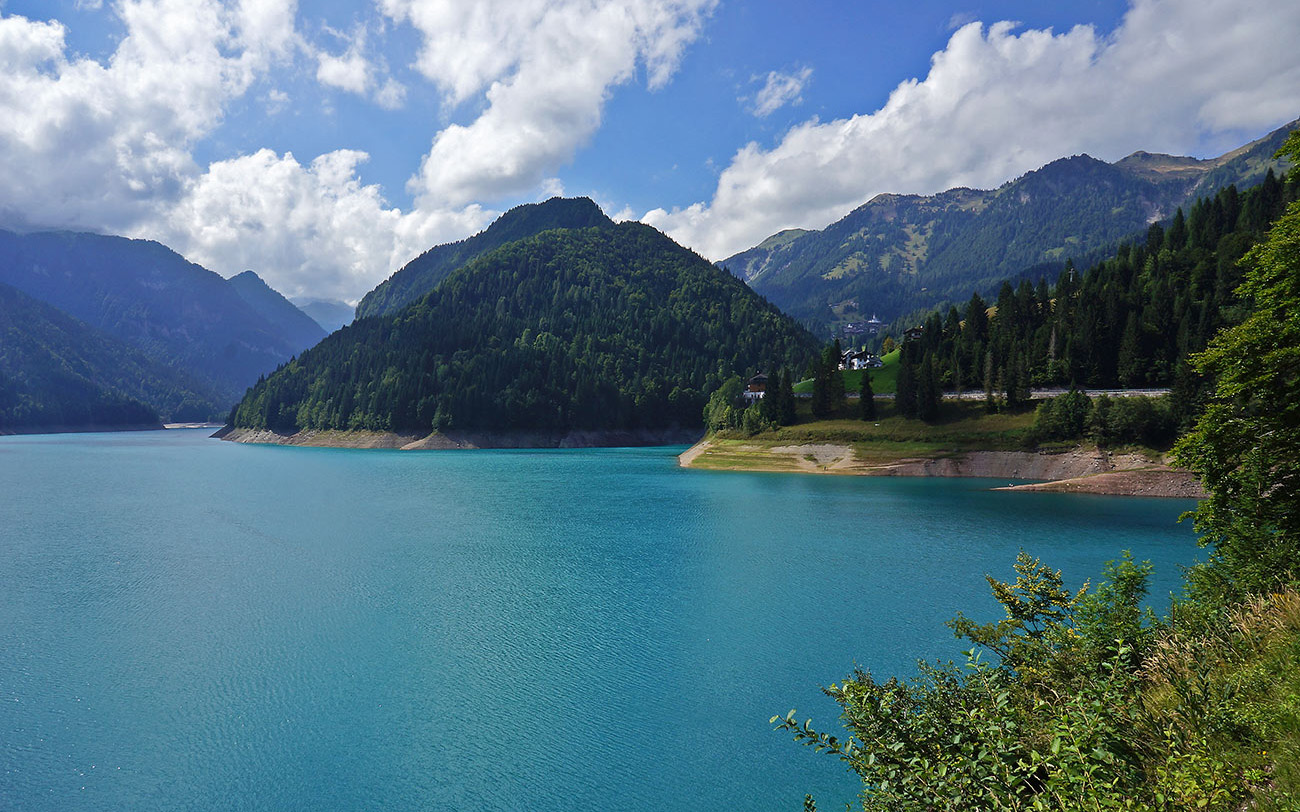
[(545, 69), (353, 72), (91, 145), (780, 89), (311, 230), (1174, 77), (350, 72), (391, 95)]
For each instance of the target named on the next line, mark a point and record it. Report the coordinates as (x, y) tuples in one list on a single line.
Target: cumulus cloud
[(108, 145), (91, 145), (313, 229), (353, 72), (997, 102), (780, 89), (545, 69)]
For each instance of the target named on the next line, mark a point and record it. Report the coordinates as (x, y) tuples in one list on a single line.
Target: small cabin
[(913, 333), (756, 387)]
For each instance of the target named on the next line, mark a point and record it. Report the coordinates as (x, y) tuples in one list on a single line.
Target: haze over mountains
[(900, 253), (216, 336), (56, 372)]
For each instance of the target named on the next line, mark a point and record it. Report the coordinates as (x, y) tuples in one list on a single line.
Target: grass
[(961, 427), (884, 381)]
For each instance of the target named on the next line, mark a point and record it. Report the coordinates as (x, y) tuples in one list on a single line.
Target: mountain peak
[(424, 273)]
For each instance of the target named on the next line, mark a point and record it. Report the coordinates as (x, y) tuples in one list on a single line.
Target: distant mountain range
[(605, 327), (218, 335), (330, 314), (900, 253), (297, 327), (59, 373)]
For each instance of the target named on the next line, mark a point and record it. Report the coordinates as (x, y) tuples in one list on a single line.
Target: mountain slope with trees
[(300, 329), (900, 253), (425, 272), (1131, 321), (58, 373), (605, 328), (147, 295)]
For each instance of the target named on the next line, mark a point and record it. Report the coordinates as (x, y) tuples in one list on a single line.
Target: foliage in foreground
[(1084, 701)]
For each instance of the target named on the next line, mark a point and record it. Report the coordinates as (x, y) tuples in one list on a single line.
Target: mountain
[(296, 326), (147, 295), (423, 273), (611, 327), (1131, 321), (330, 314), (56, 372), (900, 253)]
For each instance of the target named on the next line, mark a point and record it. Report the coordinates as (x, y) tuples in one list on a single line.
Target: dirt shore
[(461, 440), (1078, 470)]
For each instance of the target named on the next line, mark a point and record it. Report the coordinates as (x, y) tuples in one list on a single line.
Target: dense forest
[(426, 272), (57, 372), (612, 327), (1130, 321), (1082, 699), (899, 253)]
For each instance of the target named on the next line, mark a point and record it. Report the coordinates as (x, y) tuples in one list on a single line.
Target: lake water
[(191, 624)]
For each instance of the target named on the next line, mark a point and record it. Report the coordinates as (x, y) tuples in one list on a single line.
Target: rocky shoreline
[(1077, 470), (436, 441)]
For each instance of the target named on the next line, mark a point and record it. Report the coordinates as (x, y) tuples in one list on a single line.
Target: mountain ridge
[(425, 272), (899, 253), (599, 329), (144, 293)]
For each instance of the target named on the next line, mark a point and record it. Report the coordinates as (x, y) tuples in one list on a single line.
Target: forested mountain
[(423, 273), (900, 253), (152, 298), (1130, 321), (56, 372), (607, 327), (299, 328), (330, 314)]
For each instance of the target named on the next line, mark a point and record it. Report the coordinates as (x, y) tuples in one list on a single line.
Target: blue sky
[(324, 143)]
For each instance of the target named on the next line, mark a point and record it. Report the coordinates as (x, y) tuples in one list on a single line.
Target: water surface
[(186, 623)]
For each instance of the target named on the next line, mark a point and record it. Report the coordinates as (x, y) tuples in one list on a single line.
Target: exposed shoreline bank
[(77, 429), (1078, 470), (463, 439)]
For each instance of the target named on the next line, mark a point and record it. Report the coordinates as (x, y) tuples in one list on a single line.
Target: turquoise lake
[(192, 624)]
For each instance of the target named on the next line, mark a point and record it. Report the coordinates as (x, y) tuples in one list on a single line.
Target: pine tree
[(867, 402), (905, 395)]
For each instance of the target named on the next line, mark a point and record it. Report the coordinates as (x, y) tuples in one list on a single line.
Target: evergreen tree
[(927, 391), (1246, 445), (867, 401), (905, 393)]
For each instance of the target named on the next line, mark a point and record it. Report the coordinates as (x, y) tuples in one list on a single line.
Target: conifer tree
[(867, 401)]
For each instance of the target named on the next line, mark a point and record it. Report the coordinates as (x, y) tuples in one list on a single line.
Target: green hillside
[(900, 253), (610, 327), (141, 292), (57, 372), (884, 381), (1133, 320), (426, 271)]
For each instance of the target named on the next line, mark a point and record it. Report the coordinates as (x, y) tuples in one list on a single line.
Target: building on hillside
[(860, 359), (913, 333), (756, 388)]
